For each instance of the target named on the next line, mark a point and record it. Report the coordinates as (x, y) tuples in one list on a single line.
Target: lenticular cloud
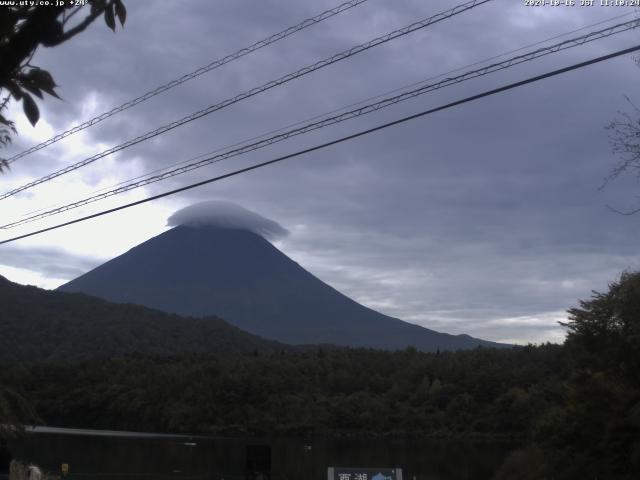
[(222, 214)]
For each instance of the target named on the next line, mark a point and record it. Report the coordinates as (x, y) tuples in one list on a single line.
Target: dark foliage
[(24, 27), (15, 411), (480, 392), (38, 325), (595, 432), (575, 406)]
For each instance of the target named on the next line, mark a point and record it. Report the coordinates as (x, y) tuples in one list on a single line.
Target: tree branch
[(68, 17), (88, 20)]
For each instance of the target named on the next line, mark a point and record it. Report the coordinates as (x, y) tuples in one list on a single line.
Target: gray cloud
[(50, 262), (223, 214), (484, 219)]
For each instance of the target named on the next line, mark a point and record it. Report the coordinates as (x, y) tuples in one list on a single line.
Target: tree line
[(573, 408)]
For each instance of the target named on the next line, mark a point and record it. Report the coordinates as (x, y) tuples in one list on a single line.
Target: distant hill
[(234, 273), (37, 324)]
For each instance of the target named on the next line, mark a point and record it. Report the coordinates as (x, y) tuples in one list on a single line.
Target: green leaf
[(30, 108), (37, 81), (121, 11), (14, 89), (44, 81), (51, 92), (109, 17), (96, 5), (33, 89), (42, 78)]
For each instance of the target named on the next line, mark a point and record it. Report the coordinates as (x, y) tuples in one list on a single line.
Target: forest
[(43, 325), (574, 409)]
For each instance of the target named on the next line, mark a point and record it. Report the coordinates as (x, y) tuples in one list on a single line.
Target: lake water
[(99, 455)]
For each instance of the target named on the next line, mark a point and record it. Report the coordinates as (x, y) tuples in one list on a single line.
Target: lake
[(102, 455)]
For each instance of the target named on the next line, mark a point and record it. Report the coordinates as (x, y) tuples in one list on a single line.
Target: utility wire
[(337, 141), (315, 117), (372, 107), (190, 76), (254, 91)]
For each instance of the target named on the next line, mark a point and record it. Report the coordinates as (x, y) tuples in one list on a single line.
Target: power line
[(315, 117), (372, 107), (254, 91), (337, 141), (336, 119), (360, 102), (194, 74)]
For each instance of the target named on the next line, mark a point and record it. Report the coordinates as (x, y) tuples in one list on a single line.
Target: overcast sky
[(484, 219)]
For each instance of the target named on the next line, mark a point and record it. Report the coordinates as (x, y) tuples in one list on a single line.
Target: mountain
[(37, 324), (234, 273)]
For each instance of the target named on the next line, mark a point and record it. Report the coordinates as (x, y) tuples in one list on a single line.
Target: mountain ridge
[(45, 325), (240, 276)]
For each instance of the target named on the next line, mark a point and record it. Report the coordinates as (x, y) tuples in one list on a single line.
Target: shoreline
[(476, 437)]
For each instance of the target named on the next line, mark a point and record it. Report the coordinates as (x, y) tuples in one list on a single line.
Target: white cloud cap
[(222, 214)]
